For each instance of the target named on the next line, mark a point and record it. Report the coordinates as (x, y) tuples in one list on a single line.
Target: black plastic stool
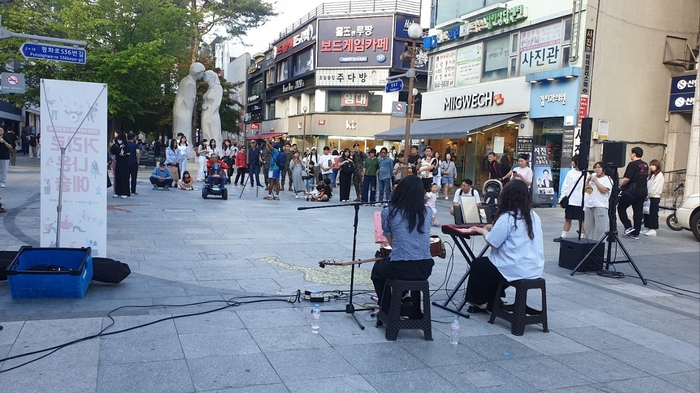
[(519, 314), (390, 309)]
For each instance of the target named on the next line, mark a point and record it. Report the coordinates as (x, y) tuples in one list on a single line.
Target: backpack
[(436, 167), (281, 160)]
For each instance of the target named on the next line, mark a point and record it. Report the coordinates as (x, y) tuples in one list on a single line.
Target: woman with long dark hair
[(172, 160), (120, 149), (517, 248), (347, 168), (406, 226), (655, 186)]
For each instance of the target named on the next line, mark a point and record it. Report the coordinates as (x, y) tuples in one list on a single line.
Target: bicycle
[(672, 220)]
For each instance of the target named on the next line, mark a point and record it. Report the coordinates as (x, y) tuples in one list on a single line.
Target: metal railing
[(356, 7), (671, 181)]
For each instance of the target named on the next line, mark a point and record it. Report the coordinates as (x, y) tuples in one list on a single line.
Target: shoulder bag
[(564, 203)]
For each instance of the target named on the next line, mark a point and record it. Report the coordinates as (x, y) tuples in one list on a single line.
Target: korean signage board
[(444, 67), (540, 48), (469, 65), (558, 98), (354, 98), (13, 83), (504, 96), (583, 102), (587, 71), (295, 42), (682, 93), (403, 22), (489, 22), (355, 42), (81, 128), (352, 77)]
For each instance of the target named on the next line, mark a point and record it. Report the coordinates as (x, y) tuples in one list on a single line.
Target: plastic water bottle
[(454, 331), (316, 318)]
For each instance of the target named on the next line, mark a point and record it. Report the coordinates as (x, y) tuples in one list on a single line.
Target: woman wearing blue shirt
[(406, 226), (517, 248)]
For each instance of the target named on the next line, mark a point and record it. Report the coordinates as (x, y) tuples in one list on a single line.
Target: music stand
[(350, 307), (611, 236)]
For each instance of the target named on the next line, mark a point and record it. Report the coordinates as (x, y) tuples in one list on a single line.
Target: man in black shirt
[(496, 170), (5, 149), (413, 161), (11, 138), (634, 190)]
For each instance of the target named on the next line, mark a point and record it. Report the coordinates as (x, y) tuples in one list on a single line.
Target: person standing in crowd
[(347, 168), (386, 165), (265, 158), (158, 148), (203, 153), (134, 161), (597, 201), (358, 157), (287, 171), (213, 149), (406, 226), (430, 199), (495, 169), (297, 172), (5, 148), (184, 155), (369, 176), (313, 156), (523, 172), (449, 172), (397, 168), (655, 186), (172, 159), (413, 161), (161, 177), (120, 149), (326, 164), (12, 139), (32, 146), (242, 165), (274, 174), (517, 248), (336, 168), (254, 164), (466, 190), (573, 189), (437, 178), (425, 171), (229, 157), (633, 187)]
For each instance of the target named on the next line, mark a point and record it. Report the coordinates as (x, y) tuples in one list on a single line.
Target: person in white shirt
[(325, 162), (517, 248), (466, 190), (655, 186), (596, 202), (573, 188), (523, 172)]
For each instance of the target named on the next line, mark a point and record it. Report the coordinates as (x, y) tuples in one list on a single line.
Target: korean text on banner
[(83, 221)]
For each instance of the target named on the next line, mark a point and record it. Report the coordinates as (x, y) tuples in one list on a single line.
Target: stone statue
[(211, 121), (185, 100)]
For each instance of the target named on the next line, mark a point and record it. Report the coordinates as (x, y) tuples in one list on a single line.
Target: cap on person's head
[(313, 148), (356, 144)]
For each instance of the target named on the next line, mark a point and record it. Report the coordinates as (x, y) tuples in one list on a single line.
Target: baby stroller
[(491, 190)]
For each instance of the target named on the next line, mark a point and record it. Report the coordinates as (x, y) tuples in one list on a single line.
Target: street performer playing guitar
[(406, 225)]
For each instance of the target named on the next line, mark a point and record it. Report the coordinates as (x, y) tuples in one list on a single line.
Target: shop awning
[(266, 136), (458, 127)]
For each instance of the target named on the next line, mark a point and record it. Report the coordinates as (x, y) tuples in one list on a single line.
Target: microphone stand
[(350, 307)]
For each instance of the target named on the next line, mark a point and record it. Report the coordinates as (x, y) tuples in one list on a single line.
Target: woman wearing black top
[(120, 149)]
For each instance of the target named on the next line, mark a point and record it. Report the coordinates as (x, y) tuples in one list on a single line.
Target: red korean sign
[(582, 108)]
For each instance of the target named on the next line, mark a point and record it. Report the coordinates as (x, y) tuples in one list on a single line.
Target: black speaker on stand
[(585, 146), (614, 154)]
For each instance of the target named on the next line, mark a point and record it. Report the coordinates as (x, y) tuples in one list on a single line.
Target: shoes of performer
[(651, 232), (628, 231)]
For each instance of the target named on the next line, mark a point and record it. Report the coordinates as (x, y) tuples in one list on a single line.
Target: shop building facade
[(323, 81), (601, 60)]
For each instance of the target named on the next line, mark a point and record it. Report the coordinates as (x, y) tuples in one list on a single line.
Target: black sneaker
[(557, 239)]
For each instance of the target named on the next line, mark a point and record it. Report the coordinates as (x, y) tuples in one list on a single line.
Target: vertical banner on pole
[(542, 184), (74, 116)]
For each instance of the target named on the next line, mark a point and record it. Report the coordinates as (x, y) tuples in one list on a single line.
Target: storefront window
[(283, 71), (257, 88), (496, 57), (270, 76), (271, 111), (354, 101), (446, 10), (303, 62)]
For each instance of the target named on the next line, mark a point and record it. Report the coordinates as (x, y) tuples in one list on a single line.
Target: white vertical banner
[(74, 117)]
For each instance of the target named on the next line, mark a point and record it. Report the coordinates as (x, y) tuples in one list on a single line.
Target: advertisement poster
[(542, 185), (444, 66), (74, 117), (469, 65), (355, 42)]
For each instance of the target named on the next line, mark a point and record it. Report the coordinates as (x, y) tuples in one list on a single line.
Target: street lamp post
[(303, 141), (414, 32)]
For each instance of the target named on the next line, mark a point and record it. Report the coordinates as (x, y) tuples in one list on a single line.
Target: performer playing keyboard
[(517, 250)]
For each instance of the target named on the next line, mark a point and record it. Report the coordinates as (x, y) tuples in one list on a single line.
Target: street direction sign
[(394, 86), (66, 54)]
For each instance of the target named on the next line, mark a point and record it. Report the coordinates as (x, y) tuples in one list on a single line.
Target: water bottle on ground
[(454, 331), (316, 318)]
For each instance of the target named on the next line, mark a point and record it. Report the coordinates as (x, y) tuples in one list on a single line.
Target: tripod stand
[(349, 308), (611, 236), (245, 183)]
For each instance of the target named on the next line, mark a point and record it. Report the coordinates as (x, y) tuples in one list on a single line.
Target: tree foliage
[(140, 48)]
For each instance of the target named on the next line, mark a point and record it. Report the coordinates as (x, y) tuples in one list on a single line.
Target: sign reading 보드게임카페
[(355, 42)]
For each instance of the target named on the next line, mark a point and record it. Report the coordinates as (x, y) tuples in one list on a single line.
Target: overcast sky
[(289, 12)]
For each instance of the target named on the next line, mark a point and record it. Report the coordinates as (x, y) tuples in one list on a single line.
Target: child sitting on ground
[(430, 199), (322, 193)]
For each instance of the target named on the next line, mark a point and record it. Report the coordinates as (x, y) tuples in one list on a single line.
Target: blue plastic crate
[(67, 274)]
